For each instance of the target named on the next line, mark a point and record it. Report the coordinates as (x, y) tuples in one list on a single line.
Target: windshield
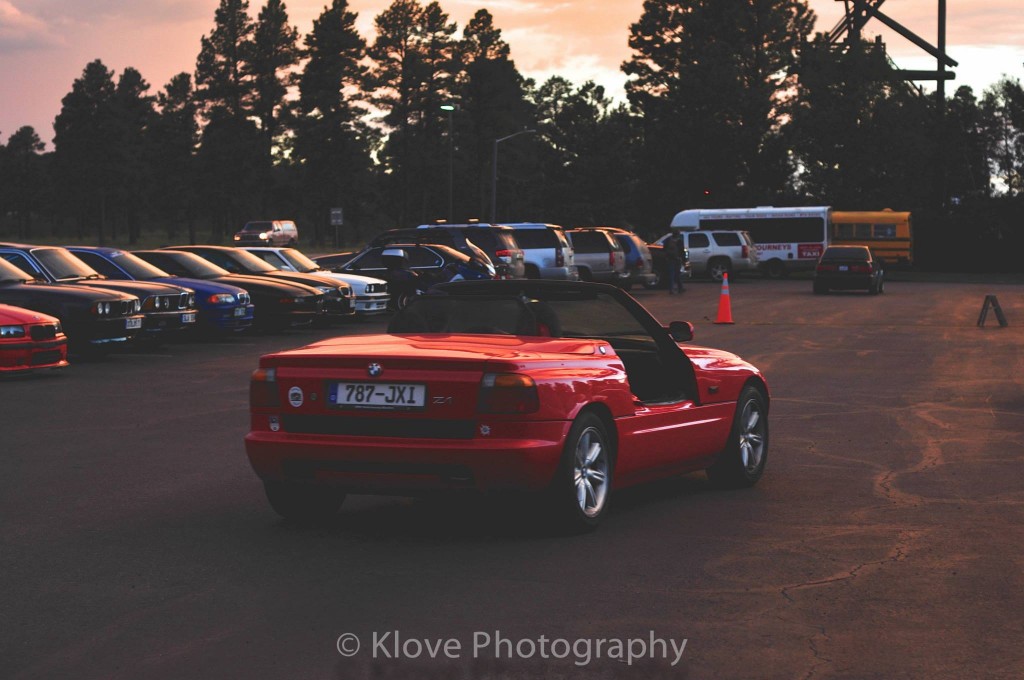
[(9, 273), (257, 227), (62, 265), (184, 264), (300, 261), (251, 262), (137, 268)]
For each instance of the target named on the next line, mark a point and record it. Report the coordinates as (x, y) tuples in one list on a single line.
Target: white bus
[(787, 239)]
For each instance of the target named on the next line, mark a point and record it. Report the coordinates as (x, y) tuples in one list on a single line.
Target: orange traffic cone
[(724, 304)]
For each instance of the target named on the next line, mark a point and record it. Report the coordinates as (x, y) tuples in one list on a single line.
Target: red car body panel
[(449, 444), (40, 347)]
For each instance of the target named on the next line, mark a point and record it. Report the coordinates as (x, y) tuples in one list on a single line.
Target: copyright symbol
[(347, 644)]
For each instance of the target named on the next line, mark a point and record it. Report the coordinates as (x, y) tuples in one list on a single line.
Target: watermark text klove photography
[(393, 644)]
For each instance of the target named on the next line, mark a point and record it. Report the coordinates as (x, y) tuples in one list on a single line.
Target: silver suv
[(714, 253), (546, 251), (599, 257)]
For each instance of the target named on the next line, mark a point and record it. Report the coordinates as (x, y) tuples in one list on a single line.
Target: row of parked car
[(95, 298)]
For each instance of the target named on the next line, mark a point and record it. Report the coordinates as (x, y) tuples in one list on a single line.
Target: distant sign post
[(337, 220)]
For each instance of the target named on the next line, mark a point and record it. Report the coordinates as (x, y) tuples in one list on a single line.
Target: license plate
[(378, 395), (844, 268), (130, 323), (188, 317), (239, 311)]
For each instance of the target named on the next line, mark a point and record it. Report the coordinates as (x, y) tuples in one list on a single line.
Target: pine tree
[(223, 74), (22, 179), (332, 140), (173, 136), (274, 57)]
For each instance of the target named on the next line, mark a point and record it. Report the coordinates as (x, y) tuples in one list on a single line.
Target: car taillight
[(508, 393), (263, 388), (611, 258), (861, 268), (503, 253), (744, 252), (559, 257), (826, 267)]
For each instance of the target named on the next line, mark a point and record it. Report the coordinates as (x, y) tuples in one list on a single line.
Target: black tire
[(718, 267), (579, 493), (656, 283), (303, 503), (742, 461), (775, 269), (585, 274), (531, 272)]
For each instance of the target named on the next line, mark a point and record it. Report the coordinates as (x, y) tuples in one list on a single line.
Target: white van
[(268, 233)]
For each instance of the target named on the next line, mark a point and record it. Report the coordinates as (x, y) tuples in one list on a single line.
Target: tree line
[(728, 104)]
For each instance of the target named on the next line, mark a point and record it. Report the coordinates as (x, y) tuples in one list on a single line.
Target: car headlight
[(12, 331), (237, 237), (57, 328), (263, 235), (344, 291), (221, 299)]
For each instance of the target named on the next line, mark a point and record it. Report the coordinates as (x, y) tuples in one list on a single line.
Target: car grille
[(121, 308), (48, 357), (165, 303), (47, 332), (380, 427)]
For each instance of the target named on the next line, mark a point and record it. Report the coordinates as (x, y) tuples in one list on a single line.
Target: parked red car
[(570, 389), (30, 341)]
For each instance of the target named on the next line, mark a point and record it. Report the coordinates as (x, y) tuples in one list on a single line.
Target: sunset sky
[(45, 44)]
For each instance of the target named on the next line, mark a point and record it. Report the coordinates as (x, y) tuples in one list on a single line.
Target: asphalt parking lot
[(886, 539)]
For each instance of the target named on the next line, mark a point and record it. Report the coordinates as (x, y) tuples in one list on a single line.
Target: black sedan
[(848, 268), (165, 308), (339, 301), (278, 303), (91, 317)]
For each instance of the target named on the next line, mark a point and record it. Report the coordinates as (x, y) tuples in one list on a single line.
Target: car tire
[(655, 283), (718, 268), (742, 462), (579, 493), (303, 503), (775, 269), (585, 274)]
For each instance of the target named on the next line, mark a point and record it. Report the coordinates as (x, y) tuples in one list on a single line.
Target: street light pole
[(494, 172), (451, 161)]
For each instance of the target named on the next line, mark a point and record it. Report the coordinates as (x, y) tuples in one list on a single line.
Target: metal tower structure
[(859, 12)]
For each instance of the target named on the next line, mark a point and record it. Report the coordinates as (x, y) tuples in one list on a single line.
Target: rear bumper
[(389, 465), (851, 282)]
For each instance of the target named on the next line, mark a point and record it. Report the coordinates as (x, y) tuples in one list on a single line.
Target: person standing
[(674, 250)]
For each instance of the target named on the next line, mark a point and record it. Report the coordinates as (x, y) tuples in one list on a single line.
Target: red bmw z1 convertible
[(568, 389)]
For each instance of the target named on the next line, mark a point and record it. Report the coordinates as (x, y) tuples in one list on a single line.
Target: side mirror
[(681, 331)]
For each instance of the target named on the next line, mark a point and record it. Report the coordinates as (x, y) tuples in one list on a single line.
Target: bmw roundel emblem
[(374, 370)]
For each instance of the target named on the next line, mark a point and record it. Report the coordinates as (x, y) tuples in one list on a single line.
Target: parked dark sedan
[(848, 268), (221, 307), (339, 301), (91, 317), (165, 308), (277, 304)]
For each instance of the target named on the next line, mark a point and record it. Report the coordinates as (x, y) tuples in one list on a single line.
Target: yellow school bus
[(886, 232)]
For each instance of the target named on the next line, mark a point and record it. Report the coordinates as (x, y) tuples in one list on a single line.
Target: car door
[(699, 246)]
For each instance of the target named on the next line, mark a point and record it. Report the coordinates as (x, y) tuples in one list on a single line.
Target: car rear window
[(536, 238), (846, 253), (727, 238), (589, 242)]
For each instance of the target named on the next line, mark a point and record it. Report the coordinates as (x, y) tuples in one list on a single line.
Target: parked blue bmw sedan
[(221, 308)]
